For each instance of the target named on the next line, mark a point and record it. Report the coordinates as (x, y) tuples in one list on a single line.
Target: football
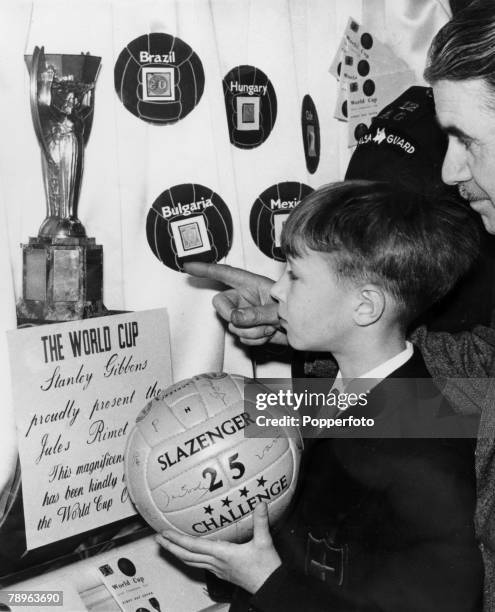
[(191, 467)]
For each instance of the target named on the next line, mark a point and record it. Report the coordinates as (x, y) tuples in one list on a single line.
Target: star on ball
[(261, 481), (226, 502), (208, 509), (244, 492)]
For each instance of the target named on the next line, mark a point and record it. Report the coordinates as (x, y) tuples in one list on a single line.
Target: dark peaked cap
[(404, 145)]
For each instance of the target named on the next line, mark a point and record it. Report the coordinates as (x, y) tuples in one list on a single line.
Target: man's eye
[(291, 275), (466, 142)]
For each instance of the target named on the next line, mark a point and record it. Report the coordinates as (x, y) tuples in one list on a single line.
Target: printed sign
[(369, 74), (77, 389), (129, 585)]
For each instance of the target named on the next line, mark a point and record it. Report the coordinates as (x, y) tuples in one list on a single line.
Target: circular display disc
[(159, 78), (189, 223), (269, 213), (310, 134), (251, 106)]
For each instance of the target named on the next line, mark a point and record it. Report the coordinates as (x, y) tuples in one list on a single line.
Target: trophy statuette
[(62, 267)]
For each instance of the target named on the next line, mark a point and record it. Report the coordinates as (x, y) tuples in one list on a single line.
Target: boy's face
[(315, 308)]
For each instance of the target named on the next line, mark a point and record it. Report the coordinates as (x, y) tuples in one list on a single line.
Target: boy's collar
[(377, 374)]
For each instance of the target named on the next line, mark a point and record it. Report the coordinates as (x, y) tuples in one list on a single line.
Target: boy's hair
[(465, 47), (416, 249)]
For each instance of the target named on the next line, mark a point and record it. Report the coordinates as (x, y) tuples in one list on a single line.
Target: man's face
[(463, 112), (314, 306)]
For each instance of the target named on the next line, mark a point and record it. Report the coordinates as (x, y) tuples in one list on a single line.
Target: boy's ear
[(370, 305)]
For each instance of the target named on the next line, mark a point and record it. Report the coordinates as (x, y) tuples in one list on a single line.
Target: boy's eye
[(291, 275)]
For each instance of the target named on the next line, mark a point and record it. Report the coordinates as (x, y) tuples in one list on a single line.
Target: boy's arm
[(428, 492), (289, 591), (462, 361), (247, 307), (247, 565)]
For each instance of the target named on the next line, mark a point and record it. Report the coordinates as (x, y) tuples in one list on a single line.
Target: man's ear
[(369, 305)]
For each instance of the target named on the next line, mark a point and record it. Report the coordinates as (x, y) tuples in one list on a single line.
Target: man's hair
[(465, 47), (415, 248)]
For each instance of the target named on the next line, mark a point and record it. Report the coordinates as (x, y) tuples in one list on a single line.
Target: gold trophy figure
[(62, 267)]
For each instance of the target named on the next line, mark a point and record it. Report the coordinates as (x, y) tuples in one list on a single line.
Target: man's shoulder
[(410, 403), (411, 382)]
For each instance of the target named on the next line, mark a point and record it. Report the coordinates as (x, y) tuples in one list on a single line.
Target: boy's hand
[(247, 565), (247, 307)]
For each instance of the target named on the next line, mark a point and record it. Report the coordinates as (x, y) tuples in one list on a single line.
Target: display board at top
[(370, 75), (159, 78), (251, 106)]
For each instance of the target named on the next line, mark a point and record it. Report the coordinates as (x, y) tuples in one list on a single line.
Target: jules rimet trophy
[(62, 266)]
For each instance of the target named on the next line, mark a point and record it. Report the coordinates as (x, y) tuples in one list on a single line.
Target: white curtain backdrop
[(129, 162)]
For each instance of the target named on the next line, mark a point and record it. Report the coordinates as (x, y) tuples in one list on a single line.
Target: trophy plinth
[(62, 267), (62, 279)]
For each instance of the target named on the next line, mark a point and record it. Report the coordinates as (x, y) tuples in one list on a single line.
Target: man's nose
[(455, 168)]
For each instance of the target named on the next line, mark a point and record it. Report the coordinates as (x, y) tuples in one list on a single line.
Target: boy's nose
[(455, 168), (277, 290)]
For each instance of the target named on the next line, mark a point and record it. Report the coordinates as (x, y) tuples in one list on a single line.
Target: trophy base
[(62, 279)]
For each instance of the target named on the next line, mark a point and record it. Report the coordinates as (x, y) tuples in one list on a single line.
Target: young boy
[(377, 524)]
